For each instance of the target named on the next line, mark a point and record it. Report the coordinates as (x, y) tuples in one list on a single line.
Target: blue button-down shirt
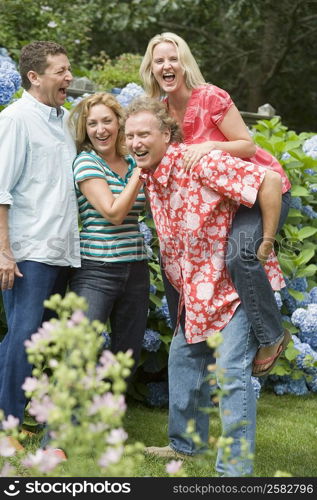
[(36, 180)]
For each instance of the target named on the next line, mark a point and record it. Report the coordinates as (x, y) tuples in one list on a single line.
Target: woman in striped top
[(114, 273)]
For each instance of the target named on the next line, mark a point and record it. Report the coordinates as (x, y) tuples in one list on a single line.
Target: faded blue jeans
[(25, 313), (248, 274), (189, 392)]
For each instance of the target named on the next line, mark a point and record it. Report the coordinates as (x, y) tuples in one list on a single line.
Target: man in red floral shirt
[(193, 212)]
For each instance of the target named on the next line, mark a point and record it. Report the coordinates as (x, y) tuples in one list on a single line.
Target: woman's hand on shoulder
[(196, 151)]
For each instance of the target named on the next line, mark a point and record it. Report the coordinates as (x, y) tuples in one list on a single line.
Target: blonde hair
[(78, 120), (192, 73), (159, 110)]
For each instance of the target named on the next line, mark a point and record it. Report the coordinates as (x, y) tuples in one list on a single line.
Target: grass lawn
[(286, 437), (286, 440)]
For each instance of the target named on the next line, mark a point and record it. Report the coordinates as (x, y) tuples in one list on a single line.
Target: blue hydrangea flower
[(286, 156), (313, 295), (309, 211), (10, 79), (299, 284), (306, 357), (7, 90), (153, 289), (306, 321), (288, 300), (310, 171), (146, 231), (151, 340), (312, 383), (287, 385), (298, 316), (157, 396), (296, 202), (278, 299), (128, 93), (163, 312), (310, 146), (107, 340)]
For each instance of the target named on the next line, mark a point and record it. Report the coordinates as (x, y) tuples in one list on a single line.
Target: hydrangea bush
[(296, 372), (10, 79)]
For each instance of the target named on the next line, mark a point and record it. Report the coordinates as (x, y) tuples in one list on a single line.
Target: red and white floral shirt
[(193, 212)]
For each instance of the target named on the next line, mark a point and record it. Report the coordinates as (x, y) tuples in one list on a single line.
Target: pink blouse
[(206, 109)]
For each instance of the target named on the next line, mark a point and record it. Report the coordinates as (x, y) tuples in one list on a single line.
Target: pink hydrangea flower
[(173, 466)]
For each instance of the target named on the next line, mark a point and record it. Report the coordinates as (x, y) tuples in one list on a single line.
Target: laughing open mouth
[(169, 77), (140, 154)]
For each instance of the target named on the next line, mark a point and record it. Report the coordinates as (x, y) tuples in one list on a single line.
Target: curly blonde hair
[(78, 120), (192, 73)]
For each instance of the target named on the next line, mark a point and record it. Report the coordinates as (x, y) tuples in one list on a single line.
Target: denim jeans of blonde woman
[(189, 393)]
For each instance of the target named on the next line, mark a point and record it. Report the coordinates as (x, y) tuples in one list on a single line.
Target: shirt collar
[(47, 111), (163, 170)]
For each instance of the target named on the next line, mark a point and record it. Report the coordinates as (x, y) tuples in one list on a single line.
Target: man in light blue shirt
[(39, 237)]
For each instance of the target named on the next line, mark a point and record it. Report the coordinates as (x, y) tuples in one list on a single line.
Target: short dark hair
[(34, 58)]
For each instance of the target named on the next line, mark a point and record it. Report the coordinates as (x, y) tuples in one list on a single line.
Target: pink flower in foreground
[(11, 423), (7, 470), (30, 384), (43, 333), (44, 461), (117, 436), (41, 409), (173, 466), (6, 448), (108, 401), (111, 456), (77, 317)]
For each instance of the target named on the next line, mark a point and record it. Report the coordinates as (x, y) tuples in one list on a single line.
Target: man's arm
[(270, 202), (8, 266)]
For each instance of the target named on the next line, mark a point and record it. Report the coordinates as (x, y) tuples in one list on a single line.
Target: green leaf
[(293, 212), (296, 294), (156, 300), (299, 191), (304, 256), (306, 232), (291, 353), (287, 264), (308, 271)]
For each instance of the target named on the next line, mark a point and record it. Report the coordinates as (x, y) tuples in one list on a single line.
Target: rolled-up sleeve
[(13, 150)]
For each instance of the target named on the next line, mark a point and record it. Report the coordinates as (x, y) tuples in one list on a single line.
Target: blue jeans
[(247, 274), (25, 313), (189, 392), (117, 291)]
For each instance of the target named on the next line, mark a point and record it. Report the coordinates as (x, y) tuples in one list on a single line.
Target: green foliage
[(67, 23), (107, 73), (297, 240)]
